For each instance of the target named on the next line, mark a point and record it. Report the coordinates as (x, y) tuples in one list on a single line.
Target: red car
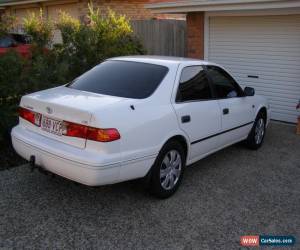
[(17, 42)]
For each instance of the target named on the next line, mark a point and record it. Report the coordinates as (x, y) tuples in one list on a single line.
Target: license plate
[(52, 126)]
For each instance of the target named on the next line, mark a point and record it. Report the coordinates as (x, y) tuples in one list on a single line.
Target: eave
[(21, 2), (221, 5)]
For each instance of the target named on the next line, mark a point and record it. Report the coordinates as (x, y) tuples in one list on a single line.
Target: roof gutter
[(21, 2), (221, 5)]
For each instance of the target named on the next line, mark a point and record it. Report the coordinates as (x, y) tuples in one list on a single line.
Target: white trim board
[(22, 2), (228, 5)]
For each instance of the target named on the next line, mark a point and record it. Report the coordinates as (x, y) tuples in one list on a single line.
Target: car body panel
[(199, 127)]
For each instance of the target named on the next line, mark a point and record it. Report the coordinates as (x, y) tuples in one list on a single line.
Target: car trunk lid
[(64, 104)]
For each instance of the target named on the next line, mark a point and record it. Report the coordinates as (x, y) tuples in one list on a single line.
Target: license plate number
[(52, 126)]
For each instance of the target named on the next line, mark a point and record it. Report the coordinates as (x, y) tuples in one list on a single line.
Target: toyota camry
[(138, 117)]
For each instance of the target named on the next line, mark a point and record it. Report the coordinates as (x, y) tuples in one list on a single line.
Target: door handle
[(185, 119), (225, 111)]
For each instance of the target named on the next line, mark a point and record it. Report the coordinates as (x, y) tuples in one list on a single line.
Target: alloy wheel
[(170, 169), (259, 130)]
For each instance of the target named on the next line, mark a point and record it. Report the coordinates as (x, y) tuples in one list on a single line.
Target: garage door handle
[(250, 76), (225, 111), (185, 119)]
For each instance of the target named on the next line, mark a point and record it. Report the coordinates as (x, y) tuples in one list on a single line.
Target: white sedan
[(139, 116)]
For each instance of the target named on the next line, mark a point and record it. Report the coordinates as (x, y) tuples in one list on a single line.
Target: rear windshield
[(121, 78)]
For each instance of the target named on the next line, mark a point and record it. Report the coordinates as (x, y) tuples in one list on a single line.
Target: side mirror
[(249, 91)]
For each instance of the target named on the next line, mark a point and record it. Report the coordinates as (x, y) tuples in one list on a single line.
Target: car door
[(237, 110), (197, 112)]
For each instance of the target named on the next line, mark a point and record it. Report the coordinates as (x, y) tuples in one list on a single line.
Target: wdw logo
[(255, 240), (249, 241)]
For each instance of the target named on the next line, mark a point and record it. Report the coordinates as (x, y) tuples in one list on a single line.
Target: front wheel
[(256, 137), (167, 171)]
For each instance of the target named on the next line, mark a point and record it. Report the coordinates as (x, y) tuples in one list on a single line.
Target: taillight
[(74, 130), (89, 133), (31, 116), (103, 135)]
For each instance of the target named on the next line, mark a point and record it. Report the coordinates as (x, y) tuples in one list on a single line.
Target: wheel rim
[(170, 169), (259, 131)]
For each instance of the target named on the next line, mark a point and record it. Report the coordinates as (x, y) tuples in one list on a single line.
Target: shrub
[(87, 44), (39, 28), (68, 26), (7, 23), (11, 72), (11, 68), (83, 46)]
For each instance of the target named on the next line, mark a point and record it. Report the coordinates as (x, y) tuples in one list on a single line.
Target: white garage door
[(262, 52)]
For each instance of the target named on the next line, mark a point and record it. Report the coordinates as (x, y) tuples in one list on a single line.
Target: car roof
[(162, 60)]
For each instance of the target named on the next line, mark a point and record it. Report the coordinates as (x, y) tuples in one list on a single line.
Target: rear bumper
[(67, 161), (91, 168)]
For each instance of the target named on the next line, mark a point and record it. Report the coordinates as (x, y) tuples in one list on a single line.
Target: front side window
[(121, 78), (224, 85), (193, 85)]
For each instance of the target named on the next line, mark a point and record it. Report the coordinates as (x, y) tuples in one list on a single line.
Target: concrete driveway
[(232, 193)]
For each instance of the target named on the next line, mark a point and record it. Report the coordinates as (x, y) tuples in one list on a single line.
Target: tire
[(167, 171), (257, 134)]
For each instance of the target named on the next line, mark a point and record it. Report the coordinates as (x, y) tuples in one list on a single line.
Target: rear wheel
[(167, 171), (256, 137)]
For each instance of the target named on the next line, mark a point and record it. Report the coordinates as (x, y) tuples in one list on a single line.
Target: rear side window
[(224, 85), (193, 85), (121, 78)]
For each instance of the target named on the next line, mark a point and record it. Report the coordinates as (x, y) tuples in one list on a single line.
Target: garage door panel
[(290, 90), (290, 68), (279, 39), (256, 34), (283, 117), (259, 55), (266, 71), (249, 61), (282, 104), (268, 58), (264, 46), (284, 111), (276, 88), (262, 60), (288, 109), (267, 92), (267, 76), (257, 50)]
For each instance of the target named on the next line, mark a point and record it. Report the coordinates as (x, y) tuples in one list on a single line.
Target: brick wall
[(134, 9), (195, 34)]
